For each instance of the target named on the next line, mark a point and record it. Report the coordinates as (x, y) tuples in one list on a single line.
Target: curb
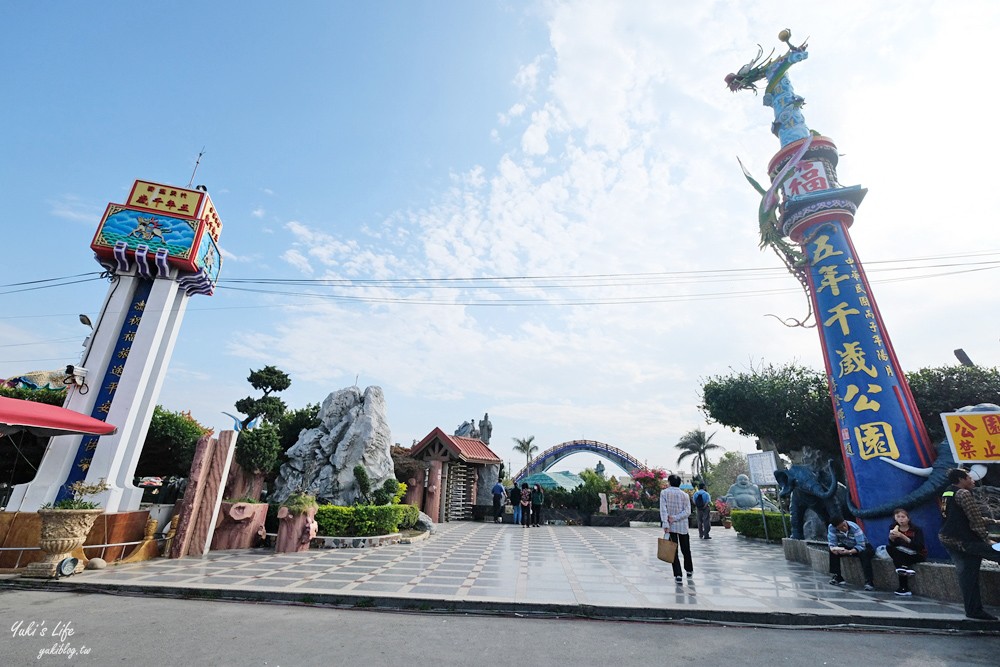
[(527, 609)]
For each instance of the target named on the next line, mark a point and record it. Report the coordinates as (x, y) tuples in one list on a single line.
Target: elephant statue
[(935, 476), (810, 490)]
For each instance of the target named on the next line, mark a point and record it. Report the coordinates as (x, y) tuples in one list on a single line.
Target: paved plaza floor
[(562, 570)]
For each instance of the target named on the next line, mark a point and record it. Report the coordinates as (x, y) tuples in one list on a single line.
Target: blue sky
[(589, 145)]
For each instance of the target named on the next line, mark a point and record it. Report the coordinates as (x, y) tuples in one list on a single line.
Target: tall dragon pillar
[(158, 249), (876, 415)]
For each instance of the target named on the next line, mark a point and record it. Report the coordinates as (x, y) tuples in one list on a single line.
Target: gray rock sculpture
[(486, 477), (425, 523), (353, 430), (468, 429)]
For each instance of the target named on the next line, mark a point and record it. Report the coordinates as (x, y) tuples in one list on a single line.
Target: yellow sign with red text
[(974, 436)]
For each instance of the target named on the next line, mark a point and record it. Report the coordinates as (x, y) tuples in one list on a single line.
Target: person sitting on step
[(906, 548), (847, 540)]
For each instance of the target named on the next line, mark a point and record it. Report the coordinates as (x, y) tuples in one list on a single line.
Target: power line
[(556, 282)]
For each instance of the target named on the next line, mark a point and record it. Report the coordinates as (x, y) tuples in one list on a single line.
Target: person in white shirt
[(675, 508)]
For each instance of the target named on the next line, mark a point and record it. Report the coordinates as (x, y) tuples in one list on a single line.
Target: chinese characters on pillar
[(861, 369), (109, 383)]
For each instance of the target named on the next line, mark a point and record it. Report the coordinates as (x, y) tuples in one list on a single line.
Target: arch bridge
[(553, 455)]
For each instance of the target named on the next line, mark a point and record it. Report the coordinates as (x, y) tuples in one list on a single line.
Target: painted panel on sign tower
[(209, 258), (154, 231), (169, 199)]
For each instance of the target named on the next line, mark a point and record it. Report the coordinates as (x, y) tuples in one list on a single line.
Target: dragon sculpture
[(789, 125)]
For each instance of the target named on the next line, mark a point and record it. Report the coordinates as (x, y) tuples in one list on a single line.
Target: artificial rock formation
[(353, 430), (486, 477)]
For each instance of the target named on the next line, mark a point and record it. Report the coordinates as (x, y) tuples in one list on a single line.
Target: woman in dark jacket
[(537, 500), (525, 505), (906, 548)]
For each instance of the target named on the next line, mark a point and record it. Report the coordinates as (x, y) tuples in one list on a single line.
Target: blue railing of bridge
[(553, 455)]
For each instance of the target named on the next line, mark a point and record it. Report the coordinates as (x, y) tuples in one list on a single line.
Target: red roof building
[(454, 465), (468, 450)]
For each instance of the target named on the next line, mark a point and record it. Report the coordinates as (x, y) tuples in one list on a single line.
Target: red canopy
[(47, 420)]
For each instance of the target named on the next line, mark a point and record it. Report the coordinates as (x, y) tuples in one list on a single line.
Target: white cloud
[(624, 163), (76, 209)]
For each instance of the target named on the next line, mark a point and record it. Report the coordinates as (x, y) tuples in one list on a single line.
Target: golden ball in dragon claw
[(785, 35)]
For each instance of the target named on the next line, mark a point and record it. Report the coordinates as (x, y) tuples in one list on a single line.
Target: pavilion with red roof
[(459, 473)]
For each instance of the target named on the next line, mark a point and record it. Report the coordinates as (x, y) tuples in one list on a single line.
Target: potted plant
[(723, 509), (296, 523), (65, 526)]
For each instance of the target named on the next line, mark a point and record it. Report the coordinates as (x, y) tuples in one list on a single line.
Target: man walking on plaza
[(965, 535), (703, 503), (675, 508), (846, 540)]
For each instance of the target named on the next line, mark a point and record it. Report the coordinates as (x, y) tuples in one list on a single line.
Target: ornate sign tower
[(877, 419), (158, 248)]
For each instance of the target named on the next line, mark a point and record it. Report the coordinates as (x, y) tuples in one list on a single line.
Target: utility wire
[(528, 284)]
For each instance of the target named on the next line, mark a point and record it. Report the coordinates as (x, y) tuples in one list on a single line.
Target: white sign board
[(762, 466)]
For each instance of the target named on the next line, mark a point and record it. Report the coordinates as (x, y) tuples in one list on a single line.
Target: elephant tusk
[(913, 470)]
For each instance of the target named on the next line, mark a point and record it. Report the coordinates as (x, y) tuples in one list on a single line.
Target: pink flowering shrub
[(649, 483), (722, 508)]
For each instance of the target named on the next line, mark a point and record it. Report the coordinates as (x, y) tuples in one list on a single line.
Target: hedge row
[(750, 524), (364, 520)]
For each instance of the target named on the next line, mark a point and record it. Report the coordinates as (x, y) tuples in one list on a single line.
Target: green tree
[(269, 380), (48, 396), (948, 388), (364, 482), (594, 481), (789, 406), (696, 443), (721, 475), (169, 445), (785, 406), (293, 422), (291, 425), (524, 446), (258, 450)]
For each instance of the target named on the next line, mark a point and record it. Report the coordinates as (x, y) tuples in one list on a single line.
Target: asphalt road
[(91, 629)]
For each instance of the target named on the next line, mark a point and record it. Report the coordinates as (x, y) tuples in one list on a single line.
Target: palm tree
[(524, 446), (695, 443)]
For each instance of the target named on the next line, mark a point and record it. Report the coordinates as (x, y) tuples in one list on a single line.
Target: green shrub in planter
[(749, 524), (391, 492), (364, 520)]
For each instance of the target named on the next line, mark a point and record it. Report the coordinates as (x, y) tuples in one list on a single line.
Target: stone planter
[(295, 530), (62, 533)]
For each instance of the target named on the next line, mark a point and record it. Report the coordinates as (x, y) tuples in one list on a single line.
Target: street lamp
[(963, 357)]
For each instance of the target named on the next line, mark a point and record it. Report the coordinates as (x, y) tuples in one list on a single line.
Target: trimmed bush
[(364, 520), (749, 524), (386, 494)]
